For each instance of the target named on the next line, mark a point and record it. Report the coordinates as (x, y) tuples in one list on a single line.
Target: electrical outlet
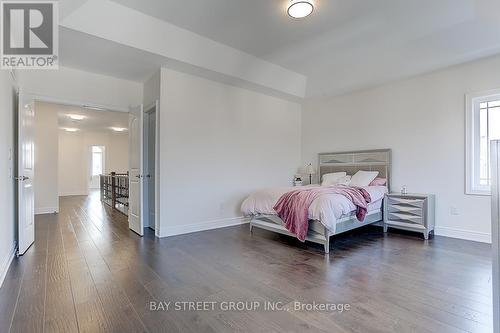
[(454, 210)]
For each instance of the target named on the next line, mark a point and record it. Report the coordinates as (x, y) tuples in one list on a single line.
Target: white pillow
[(332, 178), (363, 178), (346, 180)]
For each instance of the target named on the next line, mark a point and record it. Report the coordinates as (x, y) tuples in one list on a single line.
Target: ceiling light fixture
[(76, 116), (300, 8), (118, 129), (70, 129)]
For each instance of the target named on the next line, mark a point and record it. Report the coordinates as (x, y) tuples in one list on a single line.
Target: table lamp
[(310, 170)]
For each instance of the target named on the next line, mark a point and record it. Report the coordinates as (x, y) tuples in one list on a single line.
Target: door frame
[(147, 110)]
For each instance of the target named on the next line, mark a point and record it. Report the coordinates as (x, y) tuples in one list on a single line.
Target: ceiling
[(259, 27), (345, 45), (81, 51), (95, 121)]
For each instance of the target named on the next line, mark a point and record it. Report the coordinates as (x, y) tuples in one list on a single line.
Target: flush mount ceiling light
[(119, 129), (300, 8), (70, 129), (76, 116)]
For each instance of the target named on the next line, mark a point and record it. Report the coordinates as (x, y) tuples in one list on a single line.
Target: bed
[(321, 229)]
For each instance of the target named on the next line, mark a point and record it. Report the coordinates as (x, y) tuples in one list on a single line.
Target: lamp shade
[(310, 170)]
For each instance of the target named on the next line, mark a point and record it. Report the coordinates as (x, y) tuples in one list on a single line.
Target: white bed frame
[(351, 162)]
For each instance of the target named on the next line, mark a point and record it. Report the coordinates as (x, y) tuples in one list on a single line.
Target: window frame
[(472, 123)]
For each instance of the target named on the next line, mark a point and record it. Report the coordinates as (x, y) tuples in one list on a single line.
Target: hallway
[(88, 272)]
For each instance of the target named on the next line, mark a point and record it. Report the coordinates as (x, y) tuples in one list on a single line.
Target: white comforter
[(327, 208)]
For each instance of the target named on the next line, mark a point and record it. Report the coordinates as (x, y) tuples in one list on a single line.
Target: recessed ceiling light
[(300, 8), (70, 129), (118, 129), (76, 116)]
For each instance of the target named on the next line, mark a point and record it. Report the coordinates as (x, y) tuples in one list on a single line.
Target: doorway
[(76, 144), (97, 161)]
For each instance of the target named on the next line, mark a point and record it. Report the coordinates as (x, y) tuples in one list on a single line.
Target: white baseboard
[(476, 236), (6, 264), (208, 225), (46, 210)]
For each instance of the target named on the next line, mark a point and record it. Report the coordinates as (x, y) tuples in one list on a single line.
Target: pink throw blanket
[(293, 206)]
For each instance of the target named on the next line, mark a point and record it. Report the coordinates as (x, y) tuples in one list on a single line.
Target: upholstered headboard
[(353, 161)]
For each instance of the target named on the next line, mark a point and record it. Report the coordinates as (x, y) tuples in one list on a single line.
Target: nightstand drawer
[(405, 218), (406, 202), (405, 225), (410, 210)]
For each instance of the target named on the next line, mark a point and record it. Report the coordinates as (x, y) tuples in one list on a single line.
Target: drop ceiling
[(345, 45)]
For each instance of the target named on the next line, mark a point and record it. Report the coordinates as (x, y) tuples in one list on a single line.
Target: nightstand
[(413, 212)]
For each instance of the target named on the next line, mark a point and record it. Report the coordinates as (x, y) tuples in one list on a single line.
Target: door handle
[(138, 176), (23, 178)]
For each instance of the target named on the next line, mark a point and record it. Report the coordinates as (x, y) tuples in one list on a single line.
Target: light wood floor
[(87, 272)]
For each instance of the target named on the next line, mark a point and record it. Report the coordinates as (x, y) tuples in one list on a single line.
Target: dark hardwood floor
[(87, 272)]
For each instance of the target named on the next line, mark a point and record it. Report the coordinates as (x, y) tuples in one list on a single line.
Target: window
[(97, 160), (482, 125)]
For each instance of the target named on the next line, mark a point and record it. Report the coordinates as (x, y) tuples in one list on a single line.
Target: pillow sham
[(363, 178), (332, 178), (378, 182)]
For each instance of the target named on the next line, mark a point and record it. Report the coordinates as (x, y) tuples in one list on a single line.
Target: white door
[(25, 172), (151, 170), (136, 132), (150, 163)]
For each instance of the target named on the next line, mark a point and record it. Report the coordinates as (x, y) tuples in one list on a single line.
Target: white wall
[(7, 215), (72, 165), (80, 87), (46, 152), (422, 120), (151, 90), (117, 153), (74, 158), (218, 144)]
